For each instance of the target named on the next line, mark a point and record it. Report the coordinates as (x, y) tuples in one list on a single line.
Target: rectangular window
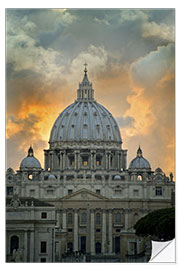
[(43, 259), (9, 190), (98, 161), (43, 247), (136, 192), (69, 230), (43, 215), (118, 192), (158, 191), (71, 161), (50, 192), (98, 191), (85, 161), (32, 192), (98, 230), (69, 191)]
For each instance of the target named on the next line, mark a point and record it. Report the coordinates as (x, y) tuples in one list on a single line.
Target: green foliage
[(159, 223)]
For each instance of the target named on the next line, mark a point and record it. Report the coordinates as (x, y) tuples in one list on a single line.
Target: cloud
[(96, 57), (152, 67), (152, 106), (130, 60), (152, 29), (25, 132), (125, 121)]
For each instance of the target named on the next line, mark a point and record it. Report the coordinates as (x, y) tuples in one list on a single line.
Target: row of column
[(59, 161), (106, 244)]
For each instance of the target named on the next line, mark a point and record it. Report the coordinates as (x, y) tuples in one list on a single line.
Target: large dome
[(139, 162), (85, 119), (30, 162)]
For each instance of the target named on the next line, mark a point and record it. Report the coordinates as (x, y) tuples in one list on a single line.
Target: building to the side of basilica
[(85, 201)]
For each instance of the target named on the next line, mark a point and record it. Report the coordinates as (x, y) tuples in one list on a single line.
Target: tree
[(159, 224)]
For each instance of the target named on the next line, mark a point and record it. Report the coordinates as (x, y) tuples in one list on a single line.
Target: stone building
[(95, 197)]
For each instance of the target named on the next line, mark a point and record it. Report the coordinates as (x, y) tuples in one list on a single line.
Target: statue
[(171, 177)]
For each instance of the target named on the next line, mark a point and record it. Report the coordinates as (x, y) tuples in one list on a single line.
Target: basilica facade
[(85, 201)]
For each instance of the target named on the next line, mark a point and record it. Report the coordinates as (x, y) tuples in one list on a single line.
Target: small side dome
[(117, 177), (30, 162), (139, 162), (51, 177)]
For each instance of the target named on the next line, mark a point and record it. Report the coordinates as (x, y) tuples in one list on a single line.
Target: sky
[(131, 63)]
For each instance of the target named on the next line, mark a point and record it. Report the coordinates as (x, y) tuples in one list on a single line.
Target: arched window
[(98, 219), (139, 178), (135, 217), (83, 218), (69, 218), (118, 218), (14, 243)]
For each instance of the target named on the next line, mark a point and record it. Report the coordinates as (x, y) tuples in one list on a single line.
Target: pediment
[(84, 194)]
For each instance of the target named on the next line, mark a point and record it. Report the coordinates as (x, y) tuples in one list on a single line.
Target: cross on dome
[(85, 69)]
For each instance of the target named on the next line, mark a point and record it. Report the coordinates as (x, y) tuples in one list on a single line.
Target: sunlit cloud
[(130, 58)]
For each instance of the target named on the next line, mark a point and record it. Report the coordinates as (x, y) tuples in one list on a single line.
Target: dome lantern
[(85, 91)]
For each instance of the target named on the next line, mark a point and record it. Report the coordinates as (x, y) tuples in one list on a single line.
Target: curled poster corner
[(163, 251)]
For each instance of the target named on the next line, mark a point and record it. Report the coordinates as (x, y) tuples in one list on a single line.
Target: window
[(118, 191), (136, 192), (50, 192), (118, 230), (9, 190), (98, 161), (43, 259), (32, 192), (98, 191), (83, 218), (43, 247), (14, 243), (98, 230), (158, 191), (71, 160), (118, 218), (70, 218), (139, 178), (69, 191), (135, 218), (69, 230), (98, 219), (85, 160), (44, 215), (30, 176)]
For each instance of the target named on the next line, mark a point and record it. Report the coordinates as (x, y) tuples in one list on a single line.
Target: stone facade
[(90, 197)]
